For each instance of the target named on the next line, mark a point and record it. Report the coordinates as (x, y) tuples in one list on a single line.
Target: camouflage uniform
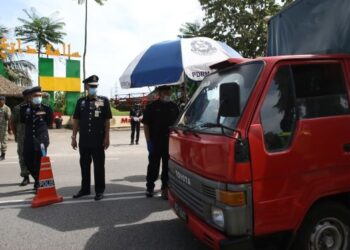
[(5, 114), (19, 136)]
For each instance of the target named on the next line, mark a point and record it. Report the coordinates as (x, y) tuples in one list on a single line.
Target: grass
[(116, 112)]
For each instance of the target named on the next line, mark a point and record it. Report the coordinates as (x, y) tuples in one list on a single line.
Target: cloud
[(117, 31)]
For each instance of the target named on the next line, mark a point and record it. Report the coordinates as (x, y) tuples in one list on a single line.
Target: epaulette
[(101, 97), (45, 105), (24, 104)]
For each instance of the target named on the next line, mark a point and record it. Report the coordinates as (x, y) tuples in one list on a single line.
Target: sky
[(117, 32)]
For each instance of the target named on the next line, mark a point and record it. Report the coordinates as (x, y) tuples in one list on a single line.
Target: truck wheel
[(326, 227)]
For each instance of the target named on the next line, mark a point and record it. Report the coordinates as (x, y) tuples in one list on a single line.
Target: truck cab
[(261, 154)]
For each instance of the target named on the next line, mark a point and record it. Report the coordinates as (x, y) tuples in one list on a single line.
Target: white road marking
[(4, 163), (8, 162), (69, 200)]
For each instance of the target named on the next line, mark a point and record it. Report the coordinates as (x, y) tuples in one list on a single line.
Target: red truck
[(261, 154)]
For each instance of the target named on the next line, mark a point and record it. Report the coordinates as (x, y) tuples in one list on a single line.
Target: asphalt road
[(124, 219)]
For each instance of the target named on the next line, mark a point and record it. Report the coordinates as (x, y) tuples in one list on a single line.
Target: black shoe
[(2, 156), (165, 194), (80, 194), (132, 143), (98, 196), (149, 193), (137, 143), (36, 185), (25, 181)]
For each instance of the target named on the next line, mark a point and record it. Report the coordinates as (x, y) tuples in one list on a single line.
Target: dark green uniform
[(5, 114), (19, 136)]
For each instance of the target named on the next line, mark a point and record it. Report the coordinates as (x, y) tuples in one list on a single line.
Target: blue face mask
[(37, 100), (92, 91)]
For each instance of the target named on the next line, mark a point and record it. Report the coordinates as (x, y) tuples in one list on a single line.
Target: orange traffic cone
[(46, 192)]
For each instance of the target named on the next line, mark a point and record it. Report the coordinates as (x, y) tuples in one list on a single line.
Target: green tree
[(100, 2), (241, 24), (16, 70), (3, 31), (195, 29), (60, 102), (40, 30)]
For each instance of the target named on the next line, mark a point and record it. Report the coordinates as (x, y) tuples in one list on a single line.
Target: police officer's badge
[(28, 111), (99, 103), (82, 104)]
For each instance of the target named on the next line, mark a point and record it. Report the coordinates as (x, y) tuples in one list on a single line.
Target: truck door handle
[(346, 147)]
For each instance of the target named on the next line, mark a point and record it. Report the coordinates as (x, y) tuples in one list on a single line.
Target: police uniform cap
[(91, 80), (26, 92), (2, 97), (35, 89), (163, 88)]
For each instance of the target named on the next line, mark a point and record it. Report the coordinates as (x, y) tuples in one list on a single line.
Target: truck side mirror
[(229, 100)]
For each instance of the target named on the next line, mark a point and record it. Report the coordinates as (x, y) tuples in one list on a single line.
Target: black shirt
[(159, 116), (92, 115), (37, 119), (135, 112)]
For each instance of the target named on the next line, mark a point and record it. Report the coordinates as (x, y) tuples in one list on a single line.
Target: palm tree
[(195, 29), (3, 31), (40, 30), (100, 2), (16, 70)]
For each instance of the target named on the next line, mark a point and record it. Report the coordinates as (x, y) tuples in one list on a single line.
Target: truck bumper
[(205, 233)]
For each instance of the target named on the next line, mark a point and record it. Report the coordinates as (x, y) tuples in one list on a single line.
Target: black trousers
[(32, 157), (97, 155), (32, 161), (135, 126), (160, 153)]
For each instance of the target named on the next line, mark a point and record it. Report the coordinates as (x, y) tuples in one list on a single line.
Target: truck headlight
[(217, 215)]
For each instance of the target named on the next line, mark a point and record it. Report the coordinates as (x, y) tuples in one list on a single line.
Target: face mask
[(92, 91), (166, 98), (37, 100)]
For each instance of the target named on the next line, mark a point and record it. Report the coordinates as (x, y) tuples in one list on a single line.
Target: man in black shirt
[(91, 118), (37, 118), (135, 119), (158, 117)]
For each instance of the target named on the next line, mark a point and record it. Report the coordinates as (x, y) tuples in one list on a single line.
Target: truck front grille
[(186, 195)]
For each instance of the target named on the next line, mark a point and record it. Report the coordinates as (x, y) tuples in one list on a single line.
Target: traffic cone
[(46, 192)]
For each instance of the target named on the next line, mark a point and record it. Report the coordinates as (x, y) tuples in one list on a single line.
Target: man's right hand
[(150, 147), (74, 143)]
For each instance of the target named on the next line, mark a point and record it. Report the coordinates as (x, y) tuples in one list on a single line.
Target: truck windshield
[(203, 108)]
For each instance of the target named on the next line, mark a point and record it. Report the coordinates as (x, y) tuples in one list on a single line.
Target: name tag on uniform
[(97, 113), (40, 113)]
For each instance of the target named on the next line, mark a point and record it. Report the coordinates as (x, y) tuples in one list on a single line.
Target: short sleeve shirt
[(159, 116), (92, 115)]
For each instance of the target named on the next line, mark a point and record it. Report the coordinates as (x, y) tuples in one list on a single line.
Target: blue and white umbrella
[(166, 63)]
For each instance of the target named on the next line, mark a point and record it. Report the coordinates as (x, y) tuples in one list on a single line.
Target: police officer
[(135, 119), (158, 117), (18, 129), (5, 115), (37, 118), (91, 118)]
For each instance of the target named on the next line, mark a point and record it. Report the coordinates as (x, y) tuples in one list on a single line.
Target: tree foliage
[(242, 24), (40, 30), (17, 70), (60, 102)]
